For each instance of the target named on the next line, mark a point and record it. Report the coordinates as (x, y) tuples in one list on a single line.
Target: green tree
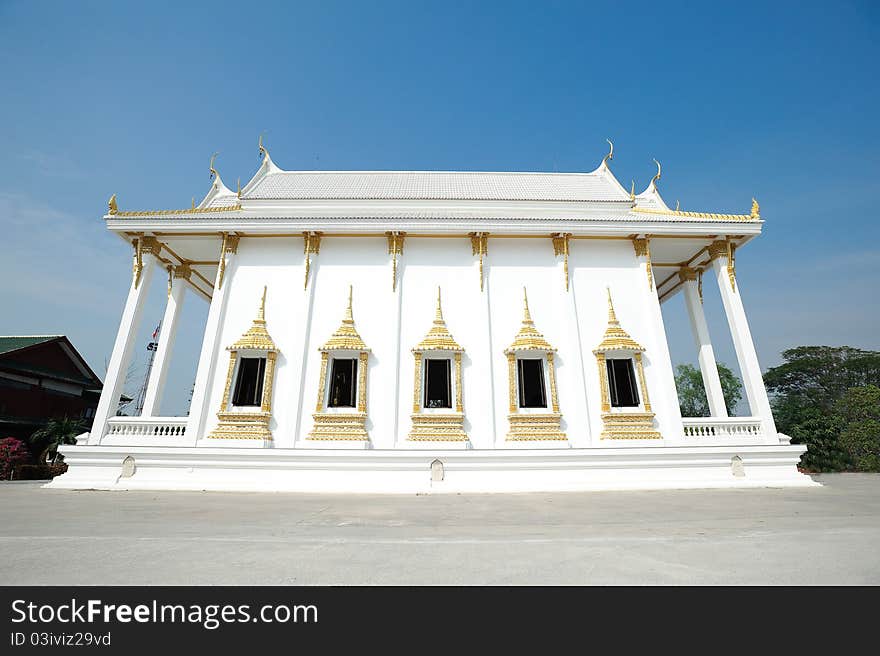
[(692, 393), (806, 390), (56, 432), (858, 413)]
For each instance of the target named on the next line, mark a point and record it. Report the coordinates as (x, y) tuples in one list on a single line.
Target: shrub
[(13, 452)]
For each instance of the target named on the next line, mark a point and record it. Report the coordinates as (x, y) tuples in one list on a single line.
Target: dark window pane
[(531, 384), (343, 374), (438, 393), (622, 383), (249, 384)]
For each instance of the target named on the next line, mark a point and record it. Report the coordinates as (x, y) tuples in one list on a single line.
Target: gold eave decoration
[(346, 337), (311, 246), (480, 246), (395, 249), (616, 338), (710, 216), (561, 241), (642, 248), (528, 338), (190, 210), (438, 337), (257, 337)]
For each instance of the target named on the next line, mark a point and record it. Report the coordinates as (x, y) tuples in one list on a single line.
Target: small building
[(407, 331), (43, 377)]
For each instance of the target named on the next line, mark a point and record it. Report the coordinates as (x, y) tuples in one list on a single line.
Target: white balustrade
[(146, 427), (725, 427)]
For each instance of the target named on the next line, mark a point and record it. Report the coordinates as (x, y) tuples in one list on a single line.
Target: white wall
[(574, 322)]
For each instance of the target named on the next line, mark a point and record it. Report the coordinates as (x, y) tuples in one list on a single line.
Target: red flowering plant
[(13, 452)]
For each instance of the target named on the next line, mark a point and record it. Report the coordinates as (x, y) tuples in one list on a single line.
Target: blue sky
[(775, 100)]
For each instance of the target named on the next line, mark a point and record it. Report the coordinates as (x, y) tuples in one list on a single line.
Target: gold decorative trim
[(459, 403), (755, 213), (322, 381), (726, 249), (535, 427), (417, 383), (629, 426), (551, 372), (642, 246), (331, 426), (395, 249), (112, 207), (640, 369), (229, 246), (603, 382), (480, 246), (311, 245), (511, 382), (616, 338), (712, 216), (560, 247), (438, 337), (346, 337), (191, 210), (528, 338), (182, 271), (143, 246), (687, 273), (700, 285), (257, 337)]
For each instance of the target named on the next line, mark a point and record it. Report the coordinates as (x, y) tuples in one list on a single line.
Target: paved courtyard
[(819, 535)]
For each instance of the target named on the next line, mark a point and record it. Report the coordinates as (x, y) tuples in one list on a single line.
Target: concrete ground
[(807, 536)]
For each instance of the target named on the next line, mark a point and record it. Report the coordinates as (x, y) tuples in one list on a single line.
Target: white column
[(705, 352), (742, 338), (198, 409), (159, 373), (125, 336)]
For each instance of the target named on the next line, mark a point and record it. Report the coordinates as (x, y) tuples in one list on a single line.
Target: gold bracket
[(560, 247), (311, 245), (642, 247), (228, 246), (480, 246), (395, 249)]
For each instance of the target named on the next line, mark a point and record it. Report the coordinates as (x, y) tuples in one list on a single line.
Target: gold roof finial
[(112, 204), (261, 314), (632, 191), (612, 317), (755, 213), (211, 166), (193, 206), (346, 336), (656, 178), (256, 337), (238, 188), (616, 338), (528, 338), (262, 148), (438, 337), (610, 154)]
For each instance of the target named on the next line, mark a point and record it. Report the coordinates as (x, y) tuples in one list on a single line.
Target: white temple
[(384, 331)]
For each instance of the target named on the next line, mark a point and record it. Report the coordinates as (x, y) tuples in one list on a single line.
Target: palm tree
[(56, 432)]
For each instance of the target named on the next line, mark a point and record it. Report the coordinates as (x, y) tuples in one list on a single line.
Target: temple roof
[(434, 185)]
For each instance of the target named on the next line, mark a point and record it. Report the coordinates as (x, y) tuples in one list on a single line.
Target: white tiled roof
[(436, 185)]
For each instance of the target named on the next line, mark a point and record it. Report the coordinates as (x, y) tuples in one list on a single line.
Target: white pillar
[(159, 373), (742, 338), (198, 408), (705, 352), (120, 358)]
